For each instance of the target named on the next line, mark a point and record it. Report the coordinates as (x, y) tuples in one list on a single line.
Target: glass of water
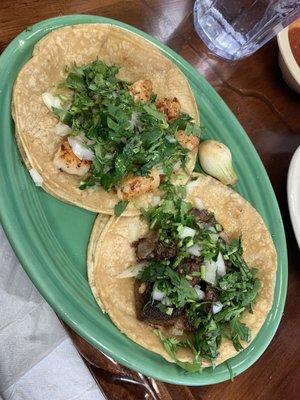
[(234, 29)]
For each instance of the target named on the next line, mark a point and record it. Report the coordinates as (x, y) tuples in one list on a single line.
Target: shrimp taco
[(191, 279), (103, 117)]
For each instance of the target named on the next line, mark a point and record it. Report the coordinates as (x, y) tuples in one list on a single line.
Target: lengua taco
[(192, 279), (101, 116)]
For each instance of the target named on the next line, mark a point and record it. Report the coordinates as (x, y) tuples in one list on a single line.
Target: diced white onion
[(36, 177), (191, 186), (132, 271), (217, 307), (214, 236), (166, 301), (221, 268), (62, 129), (157, 295), (187, 232), (177, 166), (80, 150), (156, 200), (200, 293), (194, 250), (82, 138), (51, 101), (198, 203), (210, 272), (210, 228), (134, 120), (171, 139)]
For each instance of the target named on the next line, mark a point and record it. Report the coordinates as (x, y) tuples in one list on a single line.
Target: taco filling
[(193, 281), (119, 135)]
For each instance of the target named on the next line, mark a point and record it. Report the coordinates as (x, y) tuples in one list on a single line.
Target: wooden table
[(269, 112)]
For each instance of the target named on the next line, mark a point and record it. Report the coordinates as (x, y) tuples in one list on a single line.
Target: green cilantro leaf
[(239, 331), (172, 345), (63, 115), (120, 207)]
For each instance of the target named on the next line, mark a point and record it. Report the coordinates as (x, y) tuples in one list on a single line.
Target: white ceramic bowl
[(289, 67), (293, 192)]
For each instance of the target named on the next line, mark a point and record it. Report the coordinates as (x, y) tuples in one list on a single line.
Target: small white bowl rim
[(293, 199), (287, 55)]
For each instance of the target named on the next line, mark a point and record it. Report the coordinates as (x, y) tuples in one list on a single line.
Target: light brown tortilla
[(111, 253), (34, 123)]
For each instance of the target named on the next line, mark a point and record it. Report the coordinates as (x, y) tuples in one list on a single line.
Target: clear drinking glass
[(234, 29)]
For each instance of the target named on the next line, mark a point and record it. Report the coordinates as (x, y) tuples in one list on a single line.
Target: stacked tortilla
[(34, 123)]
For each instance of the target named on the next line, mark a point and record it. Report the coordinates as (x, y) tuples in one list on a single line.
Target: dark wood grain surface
[(270, 113)]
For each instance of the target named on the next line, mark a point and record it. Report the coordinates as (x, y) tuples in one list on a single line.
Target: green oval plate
[(50, 238)]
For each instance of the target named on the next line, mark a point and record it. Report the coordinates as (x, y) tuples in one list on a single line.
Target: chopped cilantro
[(126, 137), (172, 212), (173, 344), (236, 290), (120, 207), (239, 331), (208, 338), (63, 115)]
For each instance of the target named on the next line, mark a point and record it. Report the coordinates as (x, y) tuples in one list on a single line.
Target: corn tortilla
[(110, 253), (34, 123)]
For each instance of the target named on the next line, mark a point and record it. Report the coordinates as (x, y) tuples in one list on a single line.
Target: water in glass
[(234, 29)]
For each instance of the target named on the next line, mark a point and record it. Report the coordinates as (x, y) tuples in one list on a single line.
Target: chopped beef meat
[(142, 295), (204, 216), (224, 236), (146, 309), (187, 267), (145, 246), (162, 178), (150, 248), (211, 296), (202, 285), (229, 266), (154, 316), (188, 326), (164, 251)]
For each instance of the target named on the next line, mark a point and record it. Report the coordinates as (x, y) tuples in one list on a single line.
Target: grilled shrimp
[(141, 90), (66, 161), (187, 141), (135, 186), (169, 107)]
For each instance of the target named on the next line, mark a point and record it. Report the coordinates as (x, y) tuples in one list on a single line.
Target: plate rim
[(56, 23), (291, 186)]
